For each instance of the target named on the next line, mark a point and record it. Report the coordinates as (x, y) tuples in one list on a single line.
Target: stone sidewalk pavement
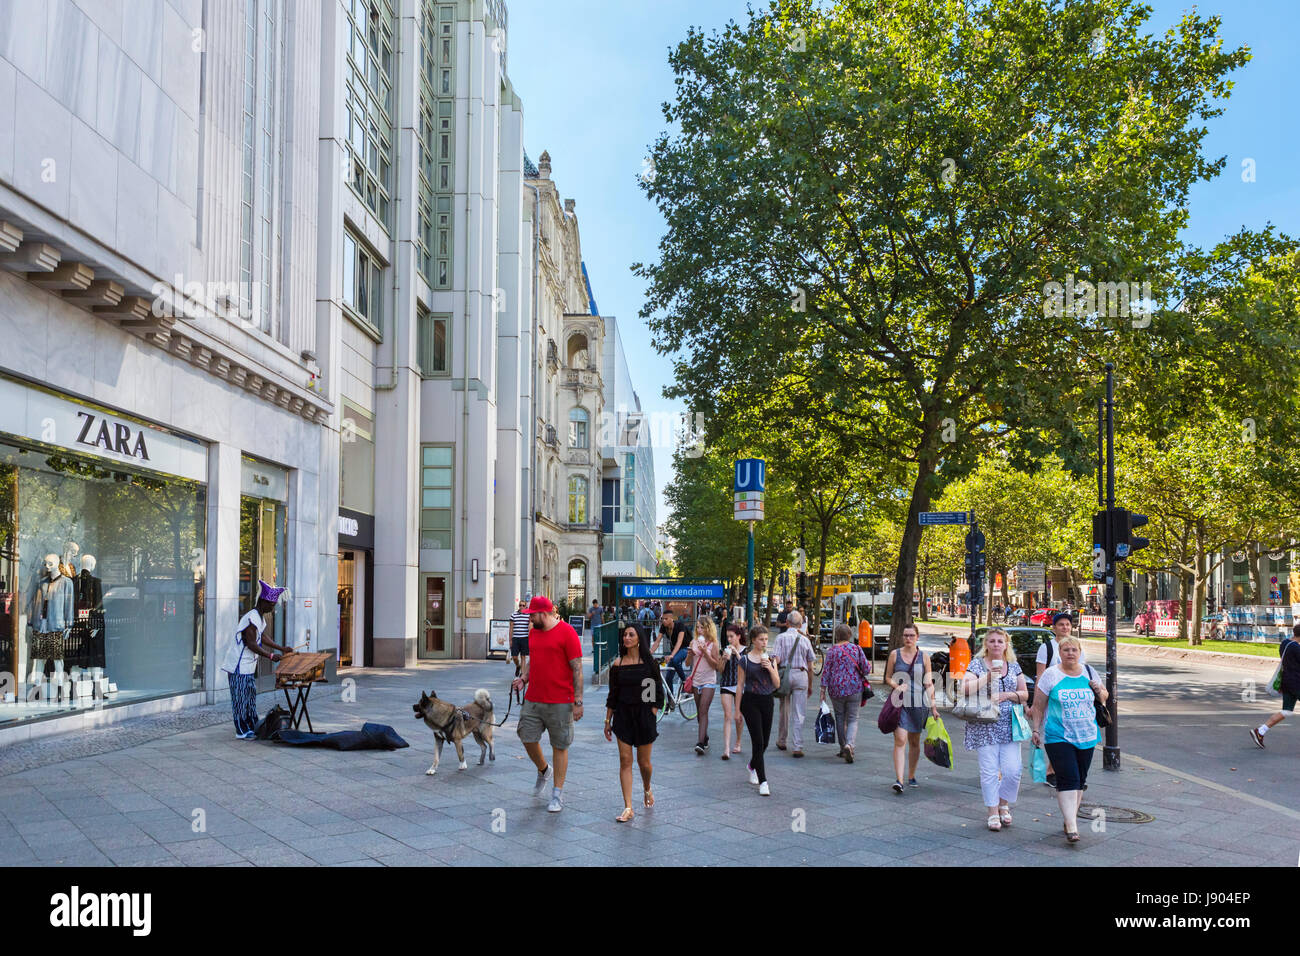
[(194, 795)]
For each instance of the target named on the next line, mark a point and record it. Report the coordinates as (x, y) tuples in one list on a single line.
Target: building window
[(578, 421), (363, 291), (257, 225), (608, 506), (435, 497), (629, 483), (357, 460), (432, 344), (577, 583), (369, 96), (436, 109), (577, 500)]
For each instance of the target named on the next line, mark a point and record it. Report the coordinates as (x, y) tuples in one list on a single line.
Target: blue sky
[(593, 75)]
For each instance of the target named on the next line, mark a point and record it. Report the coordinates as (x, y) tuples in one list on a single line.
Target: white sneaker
[(763, 791), (753, 776)]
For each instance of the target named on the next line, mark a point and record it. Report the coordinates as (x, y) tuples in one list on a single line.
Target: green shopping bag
[(1020, 729), (938, 746), (1038, 765)]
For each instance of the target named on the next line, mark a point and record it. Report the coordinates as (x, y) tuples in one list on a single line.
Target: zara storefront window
[(101, 582)]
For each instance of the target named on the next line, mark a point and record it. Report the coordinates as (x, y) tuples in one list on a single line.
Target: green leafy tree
[(876, 196)]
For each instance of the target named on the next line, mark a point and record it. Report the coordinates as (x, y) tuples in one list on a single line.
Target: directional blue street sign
[(944, 517), (675, 592), (751, 474)]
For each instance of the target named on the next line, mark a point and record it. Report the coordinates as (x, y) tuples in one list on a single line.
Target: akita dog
[(449, 722)]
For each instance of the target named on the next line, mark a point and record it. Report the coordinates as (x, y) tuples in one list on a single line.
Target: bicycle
[(684, 704)]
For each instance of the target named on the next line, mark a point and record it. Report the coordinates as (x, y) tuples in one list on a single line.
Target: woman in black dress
[(636, 692)]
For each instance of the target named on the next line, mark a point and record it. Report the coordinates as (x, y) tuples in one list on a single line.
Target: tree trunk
[(925, 589), (1198, 590), (906, 576), (821, 576), (1182, 604), (1257, 572)]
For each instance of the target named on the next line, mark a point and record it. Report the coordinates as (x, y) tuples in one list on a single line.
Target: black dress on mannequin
[(90, 628)]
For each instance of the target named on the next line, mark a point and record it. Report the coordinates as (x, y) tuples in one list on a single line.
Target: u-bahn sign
[(751, 479), (673, 592)]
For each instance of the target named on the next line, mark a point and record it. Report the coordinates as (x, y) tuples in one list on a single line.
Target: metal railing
[(604, 648)]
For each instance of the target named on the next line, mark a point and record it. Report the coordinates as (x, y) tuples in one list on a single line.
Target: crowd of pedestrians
[(750, 678)]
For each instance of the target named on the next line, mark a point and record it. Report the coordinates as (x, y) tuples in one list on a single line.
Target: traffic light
[(1126, 542), (801, 593), (1114, 527), (1100, 538)]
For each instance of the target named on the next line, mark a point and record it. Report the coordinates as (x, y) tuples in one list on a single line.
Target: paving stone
[(128, 799)]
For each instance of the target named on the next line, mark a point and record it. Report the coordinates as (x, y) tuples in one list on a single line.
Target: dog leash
[(510, 696)]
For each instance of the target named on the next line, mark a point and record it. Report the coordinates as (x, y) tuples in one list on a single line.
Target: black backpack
[(276, 720)]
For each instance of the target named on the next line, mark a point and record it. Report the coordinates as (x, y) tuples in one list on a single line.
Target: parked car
[(1041, 618), (1014, 615), (1025, 642)]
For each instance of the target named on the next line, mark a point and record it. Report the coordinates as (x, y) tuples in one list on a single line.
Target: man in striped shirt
[(519, 626)]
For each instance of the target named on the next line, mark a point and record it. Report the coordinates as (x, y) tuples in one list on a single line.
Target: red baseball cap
[(541, 605)]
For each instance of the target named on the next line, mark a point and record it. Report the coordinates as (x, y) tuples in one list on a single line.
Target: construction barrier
[(1166, 627), (1092, 622)]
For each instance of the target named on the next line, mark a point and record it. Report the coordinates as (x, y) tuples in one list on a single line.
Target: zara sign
[(117, 439)]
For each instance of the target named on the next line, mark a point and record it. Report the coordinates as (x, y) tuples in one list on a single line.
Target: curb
[(1188, 655)]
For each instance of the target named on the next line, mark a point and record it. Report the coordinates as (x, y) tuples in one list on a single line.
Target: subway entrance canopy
[(661, 589)]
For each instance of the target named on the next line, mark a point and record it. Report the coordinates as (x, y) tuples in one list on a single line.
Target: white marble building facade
[(158, 242)]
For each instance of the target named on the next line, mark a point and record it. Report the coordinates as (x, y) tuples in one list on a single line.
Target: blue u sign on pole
[(751, 474)]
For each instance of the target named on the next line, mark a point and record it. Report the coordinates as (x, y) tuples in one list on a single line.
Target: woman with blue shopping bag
[(995, 674), (1064, 715)]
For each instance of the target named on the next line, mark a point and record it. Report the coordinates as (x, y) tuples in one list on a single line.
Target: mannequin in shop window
[(242, 652), (50, 614), (68, 566), (90, 618)]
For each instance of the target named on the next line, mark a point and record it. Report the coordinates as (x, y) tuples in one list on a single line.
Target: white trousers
[(999, 761)]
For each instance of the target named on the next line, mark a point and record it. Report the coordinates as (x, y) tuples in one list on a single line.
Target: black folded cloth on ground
[(369, 737)]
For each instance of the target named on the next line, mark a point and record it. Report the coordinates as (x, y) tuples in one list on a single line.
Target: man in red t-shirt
[(553, 700)]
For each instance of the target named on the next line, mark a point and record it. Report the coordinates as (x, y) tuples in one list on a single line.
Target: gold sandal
[(649, 798), (626, 815)]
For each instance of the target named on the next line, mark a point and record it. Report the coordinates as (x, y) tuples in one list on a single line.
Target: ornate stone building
[(570, 403)]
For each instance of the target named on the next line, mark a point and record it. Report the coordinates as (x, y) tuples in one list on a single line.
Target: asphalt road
[(1192, 718)]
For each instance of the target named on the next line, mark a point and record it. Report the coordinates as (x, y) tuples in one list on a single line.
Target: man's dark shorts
[(518, 647)]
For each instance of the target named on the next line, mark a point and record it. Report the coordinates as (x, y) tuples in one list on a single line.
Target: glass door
[(434, 637), (263, 529), (347, 603)]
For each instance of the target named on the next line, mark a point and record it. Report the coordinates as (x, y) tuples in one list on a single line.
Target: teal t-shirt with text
[(1071, 712)]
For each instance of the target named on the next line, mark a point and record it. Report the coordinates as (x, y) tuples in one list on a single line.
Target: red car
[(1042, 617)]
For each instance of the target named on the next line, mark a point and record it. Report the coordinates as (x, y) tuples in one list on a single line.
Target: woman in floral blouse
[(994, 672), (844, 675)]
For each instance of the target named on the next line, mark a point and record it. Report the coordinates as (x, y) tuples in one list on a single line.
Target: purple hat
[(269, 593)]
